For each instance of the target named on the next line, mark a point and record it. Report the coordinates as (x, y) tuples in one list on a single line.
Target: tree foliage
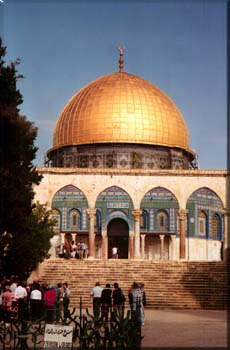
[(31, 246), (17, 172)]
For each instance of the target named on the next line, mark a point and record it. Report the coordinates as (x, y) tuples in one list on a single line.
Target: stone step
[(168, 284)]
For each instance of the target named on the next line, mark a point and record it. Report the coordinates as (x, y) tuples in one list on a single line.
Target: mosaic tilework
[(158, 197), (172, 220), (112, 200), (67, 199), (151, 219), (207, 201), (204, 195), (121, 156), (69, 194)]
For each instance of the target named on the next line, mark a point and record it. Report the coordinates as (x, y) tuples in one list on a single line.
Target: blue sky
[(180, 46)]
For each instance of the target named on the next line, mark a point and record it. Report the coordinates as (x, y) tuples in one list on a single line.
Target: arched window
[(162, 220), (215, 226), (56, 218), (144, 220), (74, 219), (202, 223)]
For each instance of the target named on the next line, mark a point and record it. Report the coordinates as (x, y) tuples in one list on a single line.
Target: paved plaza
[(181, 329)]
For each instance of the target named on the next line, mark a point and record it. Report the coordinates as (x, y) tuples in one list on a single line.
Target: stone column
[(226, 251), (143, 246), (173, 243), (131, 245), (62, 238), (182, 214), (226, 236), (162, 251), (91, 212), (104, 247), (137, 215)]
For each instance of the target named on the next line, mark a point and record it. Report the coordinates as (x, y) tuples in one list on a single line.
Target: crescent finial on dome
[(121, 50)]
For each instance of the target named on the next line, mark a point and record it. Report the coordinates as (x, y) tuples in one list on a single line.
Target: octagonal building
[(121, 174)]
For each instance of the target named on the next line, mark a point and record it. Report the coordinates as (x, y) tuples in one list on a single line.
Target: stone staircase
[(168, 284)]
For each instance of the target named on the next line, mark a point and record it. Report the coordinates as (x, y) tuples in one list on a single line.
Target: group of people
[(22, 301), (72, 250), (105, 299)]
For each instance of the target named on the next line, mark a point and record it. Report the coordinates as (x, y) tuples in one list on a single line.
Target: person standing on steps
[(36, 301), (96, 295), (137, 301), (21, 298), (59, 300), (144, 302), (114, 252), (106, 302), (7, 298), (142, 288), (66, 300), (118, 301), (130, 297), (67, 248)]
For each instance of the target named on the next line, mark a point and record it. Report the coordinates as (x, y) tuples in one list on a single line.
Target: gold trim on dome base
[(121, 108)]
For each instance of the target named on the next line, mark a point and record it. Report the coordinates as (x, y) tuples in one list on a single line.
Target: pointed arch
[(160, 206), (71, 202), (206, 195), (69, 193), (114, 193), (112, 200), (205, 213), (159, 195)]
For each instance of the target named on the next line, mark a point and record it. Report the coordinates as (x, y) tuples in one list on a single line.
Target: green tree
[(31, 246), (17, 171)]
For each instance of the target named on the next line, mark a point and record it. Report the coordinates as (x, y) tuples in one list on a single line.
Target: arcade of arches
[(160, 229)]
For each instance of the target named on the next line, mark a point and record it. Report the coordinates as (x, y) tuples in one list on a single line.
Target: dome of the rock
[(121, 108), (121, 174)]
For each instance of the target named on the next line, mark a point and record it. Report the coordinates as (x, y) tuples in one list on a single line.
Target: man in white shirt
[(20, 292), (96, 295), (36, 301), (21, 298), (114, 252)]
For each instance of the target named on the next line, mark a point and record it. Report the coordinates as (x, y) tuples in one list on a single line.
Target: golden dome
[(121, 108)]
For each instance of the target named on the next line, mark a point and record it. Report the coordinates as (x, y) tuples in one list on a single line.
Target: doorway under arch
[(118, 235)]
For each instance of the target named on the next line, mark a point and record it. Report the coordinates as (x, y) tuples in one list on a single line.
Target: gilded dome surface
[(121, 108)]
